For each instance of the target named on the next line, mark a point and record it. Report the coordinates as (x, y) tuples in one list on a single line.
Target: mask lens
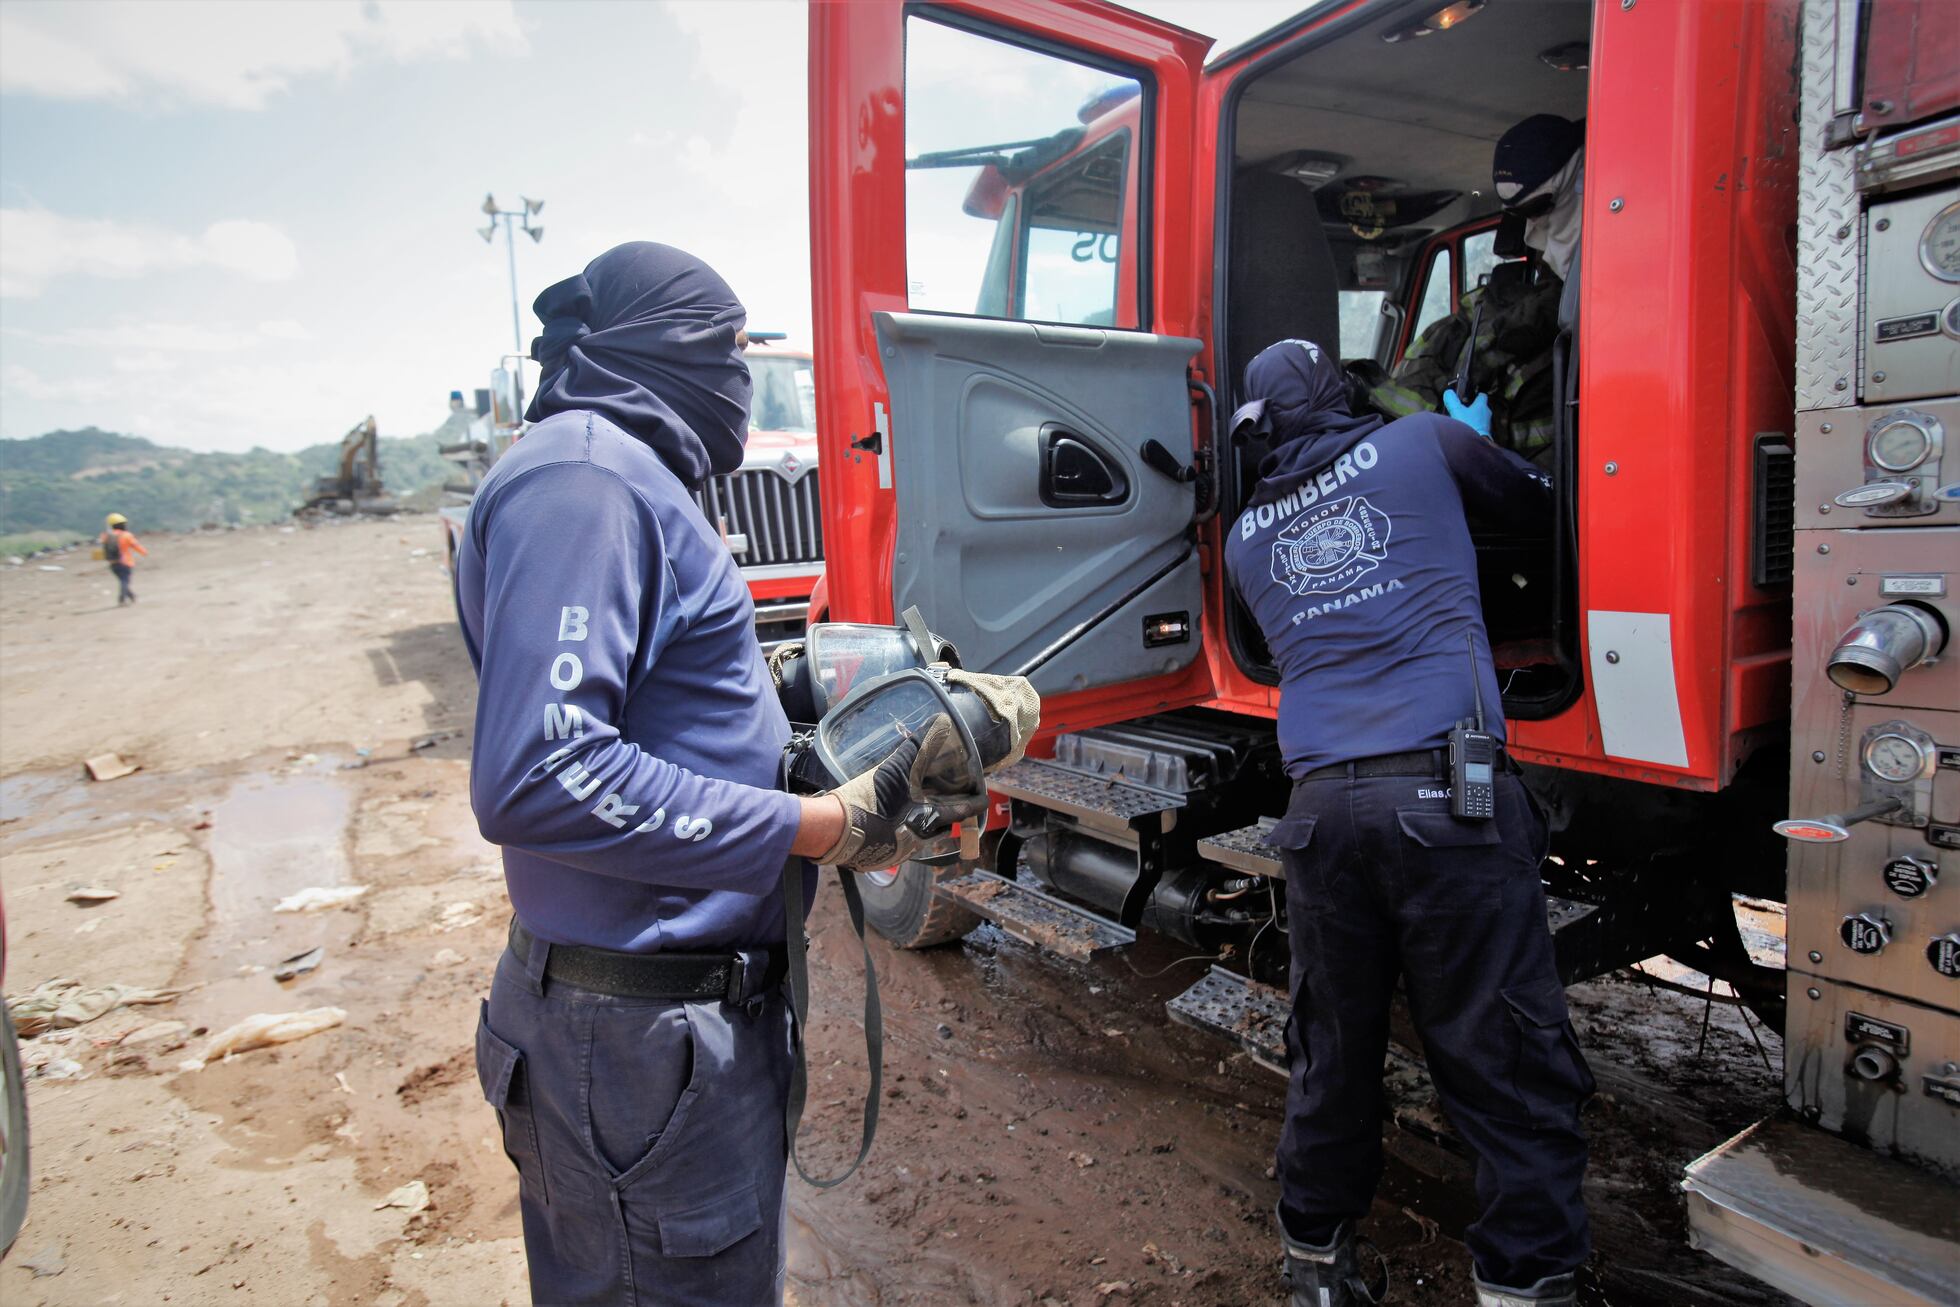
[(844, 655), (858, 735)]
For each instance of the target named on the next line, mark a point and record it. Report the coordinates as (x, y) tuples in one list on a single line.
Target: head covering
[(646, 338), (1298, 390), (116, 519), (1554, 232), (1530, 153)]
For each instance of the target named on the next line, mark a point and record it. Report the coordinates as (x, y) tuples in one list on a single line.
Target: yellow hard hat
[(117, 519)]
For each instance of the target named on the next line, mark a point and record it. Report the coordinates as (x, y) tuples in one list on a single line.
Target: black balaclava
[(646, 338), (1302, 393)]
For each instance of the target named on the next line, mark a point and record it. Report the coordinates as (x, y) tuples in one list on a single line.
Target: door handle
[(1076, 473)]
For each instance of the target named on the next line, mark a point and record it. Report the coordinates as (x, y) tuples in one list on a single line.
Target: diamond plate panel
[(1244, 849), (1828, 231)]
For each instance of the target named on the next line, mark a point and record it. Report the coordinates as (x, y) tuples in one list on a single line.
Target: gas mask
[(857, 691)]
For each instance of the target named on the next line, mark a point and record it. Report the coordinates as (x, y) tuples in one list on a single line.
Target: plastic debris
[(319, 896), (446, 957), (91, 894), (108, 767), (52, 567), (48, 1261), (299, 964), (457, 915), (63, 1002), (412, 1197), (154, 1031), (264, 1029)]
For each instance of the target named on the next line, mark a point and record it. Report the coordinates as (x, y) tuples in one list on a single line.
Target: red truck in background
[(768, 509), (1047, 235)]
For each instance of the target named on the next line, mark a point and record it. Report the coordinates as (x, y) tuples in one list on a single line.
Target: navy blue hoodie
[(627, 731), (1355, 558)]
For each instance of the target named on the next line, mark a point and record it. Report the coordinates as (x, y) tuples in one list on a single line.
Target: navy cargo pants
[(1382, 882), (648, 1139)]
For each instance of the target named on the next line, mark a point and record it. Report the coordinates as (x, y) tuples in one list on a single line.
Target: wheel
[(900, 905), (13, 1136)]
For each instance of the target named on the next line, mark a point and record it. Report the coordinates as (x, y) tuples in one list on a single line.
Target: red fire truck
[(1048, 235)]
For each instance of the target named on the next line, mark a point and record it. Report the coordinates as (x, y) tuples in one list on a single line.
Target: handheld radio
[(1473, 757)]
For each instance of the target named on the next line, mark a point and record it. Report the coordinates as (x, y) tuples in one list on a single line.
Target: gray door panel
[(1061, 585)]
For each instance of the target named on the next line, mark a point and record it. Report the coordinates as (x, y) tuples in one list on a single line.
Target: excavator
[(356, 485)]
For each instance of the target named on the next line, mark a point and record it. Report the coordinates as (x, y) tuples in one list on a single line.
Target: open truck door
[(1005, 303)]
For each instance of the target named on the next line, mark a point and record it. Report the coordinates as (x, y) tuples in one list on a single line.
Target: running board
[(1099, 802), (1037, 919), (1245, 849), (1825, 1220)]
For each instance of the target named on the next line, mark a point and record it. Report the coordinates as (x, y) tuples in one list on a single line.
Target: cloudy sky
[(225, 224)]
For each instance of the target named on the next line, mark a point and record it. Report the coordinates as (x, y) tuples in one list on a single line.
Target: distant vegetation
[(58, 486)]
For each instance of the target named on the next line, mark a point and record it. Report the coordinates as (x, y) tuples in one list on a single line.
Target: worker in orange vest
[(119, 548)]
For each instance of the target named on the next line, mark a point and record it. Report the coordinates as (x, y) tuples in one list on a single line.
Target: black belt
[(1433, 763), (721, 977)]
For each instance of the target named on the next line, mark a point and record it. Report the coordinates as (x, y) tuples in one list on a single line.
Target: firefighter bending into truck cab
[(1507, 325), (637, 1043), (1355, 558), (119, 550)]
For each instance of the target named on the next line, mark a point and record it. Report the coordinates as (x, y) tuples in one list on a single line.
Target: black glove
[(876, 801)]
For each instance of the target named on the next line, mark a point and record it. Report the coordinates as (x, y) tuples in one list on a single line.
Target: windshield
[(785, 394)]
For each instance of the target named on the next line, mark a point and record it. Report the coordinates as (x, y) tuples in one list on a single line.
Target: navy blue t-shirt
[(1364, 580)]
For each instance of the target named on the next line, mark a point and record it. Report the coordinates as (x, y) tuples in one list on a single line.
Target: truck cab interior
[(1358, 211)]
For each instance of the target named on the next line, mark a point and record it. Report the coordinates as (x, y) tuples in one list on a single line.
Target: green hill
[(60, 484)]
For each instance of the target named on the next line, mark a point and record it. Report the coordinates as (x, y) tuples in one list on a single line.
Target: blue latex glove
[(1475, 414)]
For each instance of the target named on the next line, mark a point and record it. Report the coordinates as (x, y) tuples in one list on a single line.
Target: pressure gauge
[(1939, 245), (1901, 441), (1895, 758)]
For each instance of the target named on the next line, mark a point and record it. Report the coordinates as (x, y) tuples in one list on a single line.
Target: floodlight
[(488, 233), (531, 205), (536, 233), (489, 203)]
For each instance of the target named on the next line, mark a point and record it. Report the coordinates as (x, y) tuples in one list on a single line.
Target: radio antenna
[(1476, 681)]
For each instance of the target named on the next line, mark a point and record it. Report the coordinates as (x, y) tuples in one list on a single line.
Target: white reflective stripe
[(1639, 710)]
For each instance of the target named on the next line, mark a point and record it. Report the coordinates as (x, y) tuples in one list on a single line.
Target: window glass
[(1479, 257), (1435, 293), (1361, 323), (785, 397), (1019, 170)]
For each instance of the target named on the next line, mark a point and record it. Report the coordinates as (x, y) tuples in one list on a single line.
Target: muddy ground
[(300, 705)]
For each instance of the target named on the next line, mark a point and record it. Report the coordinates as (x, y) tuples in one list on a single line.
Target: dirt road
[(300, 705)]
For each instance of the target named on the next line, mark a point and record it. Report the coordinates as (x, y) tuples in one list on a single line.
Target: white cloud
[(210, 52), (37, 246), (16, 379), (285, 329), (182, 337)]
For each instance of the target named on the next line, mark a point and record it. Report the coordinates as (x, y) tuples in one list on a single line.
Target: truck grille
[(779, 516)]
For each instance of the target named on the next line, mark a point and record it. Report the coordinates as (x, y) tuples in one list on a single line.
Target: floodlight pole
[(505, 217)]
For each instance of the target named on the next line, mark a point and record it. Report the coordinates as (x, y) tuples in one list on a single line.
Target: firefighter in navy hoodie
[(637, 1044), (1356, 560)]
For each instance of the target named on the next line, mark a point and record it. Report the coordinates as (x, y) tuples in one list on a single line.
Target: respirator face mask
[(870, 687)]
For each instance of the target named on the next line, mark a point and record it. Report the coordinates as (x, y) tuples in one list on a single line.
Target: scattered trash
[(88, 926), (108, 767), (340, 1079), (299, 964), (319, 896), (446, 957), (432, 740), (1113, 1289), (52, 1068), (412, 1197), (64, 1002), (418, 553), (264, 1029), (1082, 1160), (48, 1261), (52, 567), (154, 1031), (88, 894), (455, 916)]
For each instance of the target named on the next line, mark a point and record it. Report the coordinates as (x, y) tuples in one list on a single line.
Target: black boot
[(1552, 1291), (1329, 1274)]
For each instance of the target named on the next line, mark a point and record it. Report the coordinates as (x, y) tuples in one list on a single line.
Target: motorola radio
[(1473, 756)]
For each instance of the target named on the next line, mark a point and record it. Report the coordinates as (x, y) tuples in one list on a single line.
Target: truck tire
[(900, 905), (13, 1142)]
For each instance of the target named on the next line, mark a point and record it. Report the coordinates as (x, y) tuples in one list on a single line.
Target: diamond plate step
[(1244, 849), (1249, 1015), (1093, 800), (1034, 918)]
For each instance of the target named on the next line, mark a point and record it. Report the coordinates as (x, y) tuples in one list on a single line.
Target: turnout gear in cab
[(1355, 557)]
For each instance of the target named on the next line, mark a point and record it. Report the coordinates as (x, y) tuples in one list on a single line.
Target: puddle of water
[(38, 805), (271, 837)]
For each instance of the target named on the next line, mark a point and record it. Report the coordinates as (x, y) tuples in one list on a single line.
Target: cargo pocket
[(710, 1227), (1439, 830), (1549, 1077), (500, 1074), (1295, 829)]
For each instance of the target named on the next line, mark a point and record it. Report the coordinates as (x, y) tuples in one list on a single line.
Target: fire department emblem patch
[(1329, 548)]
